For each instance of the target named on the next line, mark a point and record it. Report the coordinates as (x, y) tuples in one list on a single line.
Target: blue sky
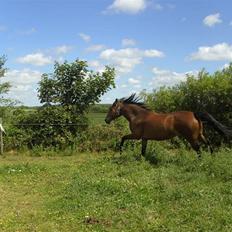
[(151, 43)]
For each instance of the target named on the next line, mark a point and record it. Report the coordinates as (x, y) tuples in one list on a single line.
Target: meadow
[(69, 191), (96, 118), (91, 187)]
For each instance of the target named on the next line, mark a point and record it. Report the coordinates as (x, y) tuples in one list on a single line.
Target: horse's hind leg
[(144, 147), (206, 142)]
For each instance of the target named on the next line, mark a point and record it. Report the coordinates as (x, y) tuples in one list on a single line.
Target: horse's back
[(161, 126), (158, 126)]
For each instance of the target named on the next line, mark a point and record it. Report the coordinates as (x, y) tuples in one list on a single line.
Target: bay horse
[(148, 125)]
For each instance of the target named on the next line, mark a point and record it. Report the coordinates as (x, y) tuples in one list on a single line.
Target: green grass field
[(96, 118), (108, 192)]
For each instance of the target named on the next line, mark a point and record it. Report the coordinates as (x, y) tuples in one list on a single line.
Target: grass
[(107, 192), (96, 118)]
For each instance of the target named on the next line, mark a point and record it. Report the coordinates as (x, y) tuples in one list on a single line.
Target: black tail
[(221, 129)]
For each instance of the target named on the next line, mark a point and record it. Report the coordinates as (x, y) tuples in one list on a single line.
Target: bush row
[(204, 92), (58, 127)]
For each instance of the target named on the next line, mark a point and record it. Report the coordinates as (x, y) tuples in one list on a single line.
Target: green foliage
[(67, 94), (102, 137), (212, 93), (47, 89), (5, 103), (99, 108), (52, 126), (4, 86), (74, 84), (206, 92)]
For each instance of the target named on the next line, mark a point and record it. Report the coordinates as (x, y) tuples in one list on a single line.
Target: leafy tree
[(4, 86), (47, 89), (67, 93), (74, 85), (5, 103)]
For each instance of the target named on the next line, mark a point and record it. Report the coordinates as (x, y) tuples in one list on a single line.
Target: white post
[(1, 138)]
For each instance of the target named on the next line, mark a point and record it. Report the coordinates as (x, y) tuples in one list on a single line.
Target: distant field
[(101, 192), (96, 118), (93, 116)]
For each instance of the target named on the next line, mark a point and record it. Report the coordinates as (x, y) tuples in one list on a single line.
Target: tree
[(74, 85), (66, 94), (4, 86)]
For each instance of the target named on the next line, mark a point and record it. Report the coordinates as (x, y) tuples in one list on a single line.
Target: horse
[(148, 125)]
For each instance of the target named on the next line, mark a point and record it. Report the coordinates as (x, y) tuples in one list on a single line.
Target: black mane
[(135, 100)]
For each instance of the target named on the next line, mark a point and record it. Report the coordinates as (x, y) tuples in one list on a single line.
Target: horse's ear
[(115, 102)]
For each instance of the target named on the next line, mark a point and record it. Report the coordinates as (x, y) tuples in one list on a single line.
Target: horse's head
[(114, 111)]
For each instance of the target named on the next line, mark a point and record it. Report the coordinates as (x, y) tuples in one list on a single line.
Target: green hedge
[(204, 92), (51, 126)]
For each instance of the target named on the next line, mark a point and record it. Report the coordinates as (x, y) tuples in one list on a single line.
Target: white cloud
[(23, 84), (85, 37), (96, 65), (137, 86), (126, 59), (23, 77), (96, 48), (153, 53), (63, 49), (20, 88), (222, 51), (167, 77), (128, 42), (38, 59), (212, 20), (225, 66), (133, 81), (128, 6)]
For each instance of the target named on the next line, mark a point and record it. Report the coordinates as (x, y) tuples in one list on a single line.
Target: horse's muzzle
[(107, 121)]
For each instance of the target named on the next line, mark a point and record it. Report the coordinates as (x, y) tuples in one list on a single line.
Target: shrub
[(51, 126), (100, 137)]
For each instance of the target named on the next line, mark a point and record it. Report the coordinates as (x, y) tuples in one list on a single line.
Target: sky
[(151, 43)]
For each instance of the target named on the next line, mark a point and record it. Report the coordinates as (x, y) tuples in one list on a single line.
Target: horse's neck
[(130, 112)]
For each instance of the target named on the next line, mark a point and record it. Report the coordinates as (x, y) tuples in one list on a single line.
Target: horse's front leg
[(127, 137)]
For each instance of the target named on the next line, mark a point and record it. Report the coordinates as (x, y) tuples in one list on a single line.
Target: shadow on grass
[(168, 157), (161, 157), (152, 158), (134, 156), (124, 158)]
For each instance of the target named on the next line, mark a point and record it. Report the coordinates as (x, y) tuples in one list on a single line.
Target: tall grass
[(170, 190)]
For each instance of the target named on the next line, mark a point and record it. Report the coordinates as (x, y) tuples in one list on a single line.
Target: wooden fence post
[(1, 138)]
